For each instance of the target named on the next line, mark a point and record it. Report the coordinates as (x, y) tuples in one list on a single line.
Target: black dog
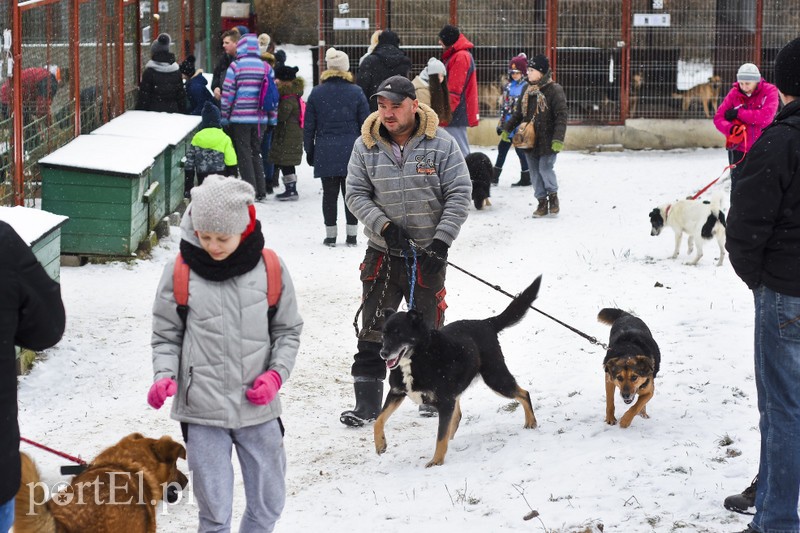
[(480, 172), (436, 366)]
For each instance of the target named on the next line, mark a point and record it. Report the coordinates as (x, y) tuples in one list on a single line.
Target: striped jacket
[(427, 193), (242, 85)]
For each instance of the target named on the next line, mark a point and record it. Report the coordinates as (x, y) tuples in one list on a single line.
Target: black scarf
[(242, 260)]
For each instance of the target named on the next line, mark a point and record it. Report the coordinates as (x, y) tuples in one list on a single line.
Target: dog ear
[(386, 313), (167, 450), (644, 365), (415, 316)]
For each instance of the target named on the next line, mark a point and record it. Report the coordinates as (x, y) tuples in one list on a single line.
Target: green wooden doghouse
[(42, 232), (112, 189), (174, 129)]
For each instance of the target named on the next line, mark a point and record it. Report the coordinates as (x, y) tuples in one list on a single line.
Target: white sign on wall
[(350, 23), (651, 19)]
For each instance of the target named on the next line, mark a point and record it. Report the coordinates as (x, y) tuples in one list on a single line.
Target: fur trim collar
[(371, 129), (328, 74), (295, 86)]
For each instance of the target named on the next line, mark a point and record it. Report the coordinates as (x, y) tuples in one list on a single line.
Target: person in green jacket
[(286, 151), (211, 151)]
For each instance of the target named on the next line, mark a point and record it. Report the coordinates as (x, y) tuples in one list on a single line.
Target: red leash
[(77, 460), (729, 167)]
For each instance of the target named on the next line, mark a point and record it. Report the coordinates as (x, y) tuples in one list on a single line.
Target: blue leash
[(411, 272)]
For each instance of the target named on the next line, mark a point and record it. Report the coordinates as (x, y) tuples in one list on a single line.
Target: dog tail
[(609, 315), (517, 308), (30, 509)]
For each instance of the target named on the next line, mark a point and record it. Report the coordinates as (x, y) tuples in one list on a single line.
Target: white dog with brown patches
[(700, 220)]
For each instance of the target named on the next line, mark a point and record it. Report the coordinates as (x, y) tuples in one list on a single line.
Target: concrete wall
[(636, 134)]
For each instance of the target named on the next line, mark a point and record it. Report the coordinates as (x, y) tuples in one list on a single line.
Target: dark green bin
[(111, 188)]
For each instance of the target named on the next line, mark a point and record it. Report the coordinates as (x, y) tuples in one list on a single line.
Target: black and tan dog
[(119, 491), (631, 364), (436, 366), (480, 172)]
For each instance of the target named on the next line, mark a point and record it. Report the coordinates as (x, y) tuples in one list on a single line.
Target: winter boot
[(744, 503), (330, 236), (352, 231), (541, 210), (290, 182), (552, 200), (369, 394), (524, 179), (496, 175)]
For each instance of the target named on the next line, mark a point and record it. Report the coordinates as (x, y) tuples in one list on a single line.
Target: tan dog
[(707, 93), (637, 81), (118, 492), (631, 364), (490, 96)]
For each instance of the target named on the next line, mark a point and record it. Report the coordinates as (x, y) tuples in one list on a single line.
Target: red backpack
[(180, 283)]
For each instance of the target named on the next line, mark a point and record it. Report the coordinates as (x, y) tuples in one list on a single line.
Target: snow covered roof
[(31, 224), (109, 153), (169, 127)]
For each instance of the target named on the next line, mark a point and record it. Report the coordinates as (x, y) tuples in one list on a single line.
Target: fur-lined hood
[(329, 74), (428, 122), (295, 86)]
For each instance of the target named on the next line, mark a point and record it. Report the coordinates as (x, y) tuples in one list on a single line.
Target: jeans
[(459, 133), (502, 150), (266, 144), (6, 515), (543, 177), (777, 371)]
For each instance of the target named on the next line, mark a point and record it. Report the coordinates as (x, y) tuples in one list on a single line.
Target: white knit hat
[(220, 205), (748, 72), (337, 60), (263, 42), (434, 66)]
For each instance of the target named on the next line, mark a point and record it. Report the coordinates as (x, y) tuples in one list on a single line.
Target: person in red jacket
[(751, 103), (39, 86), (462, 82)]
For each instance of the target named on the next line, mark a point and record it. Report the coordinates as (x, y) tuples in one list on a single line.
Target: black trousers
[(385, 284), (735, 156), (247, 144), (331, 187)]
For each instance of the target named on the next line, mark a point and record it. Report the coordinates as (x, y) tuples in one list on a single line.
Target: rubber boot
[(330, 236), (496, 171), (369, 394), (290, 182), (552, 200), (352, 232), (524, 179)]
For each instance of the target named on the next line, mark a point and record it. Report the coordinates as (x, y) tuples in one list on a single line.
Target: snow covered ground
[(663, 474)]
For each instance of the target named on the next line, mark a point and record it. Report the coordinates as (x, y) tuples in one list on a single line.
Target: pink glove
[(264, 388), (160, 391)]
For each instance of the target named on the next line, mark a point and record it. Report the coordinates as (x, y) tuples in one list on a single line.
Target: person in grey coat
[(226, 362), (406, 180)]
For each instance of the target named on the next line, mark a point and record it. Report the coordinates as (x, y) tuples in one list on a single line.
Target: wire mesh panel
[(6, 131), (781, 24)]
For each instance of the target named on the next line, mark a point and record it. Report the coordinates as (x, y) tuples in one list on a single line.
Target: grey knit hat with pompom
[(220, 205), (161, 44)]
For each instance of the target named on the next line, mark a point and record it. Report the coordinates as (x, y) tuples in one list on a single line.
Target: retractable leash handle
[(65, 470), (499, 289)]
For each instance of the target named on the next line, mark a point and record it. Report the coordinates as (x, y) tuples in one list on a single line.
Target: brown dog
[(118, 492), (707, 93), (637, 81), (631, 364)]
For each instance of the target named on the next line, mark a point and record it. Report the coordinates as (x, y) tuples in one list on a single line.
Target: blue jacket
[(198, 93), (335, 111), (511, 93)]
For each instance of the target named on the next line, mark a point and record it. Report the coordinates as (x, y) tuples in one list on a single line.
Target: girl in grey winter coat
[(227, 361)]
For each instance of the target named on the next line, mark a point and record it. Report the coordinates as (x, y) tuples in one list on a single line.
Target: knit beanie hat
[(187, 66), (263, 42), (337, 60), (540, 63), (243, 30), (220, 205), (280, 57), (519, 63), (210, 116), (787, 69), (748, 72), (284, 73), (389, 37), (449, 35), (161, 44)]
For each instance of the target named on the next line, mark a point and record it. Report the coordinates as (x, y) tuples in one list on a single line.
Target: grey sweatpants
[(263, 462)]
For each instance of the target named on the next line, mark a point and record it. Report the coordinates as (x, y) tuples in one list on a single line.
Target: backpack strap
[(273, 266), (180, 287)]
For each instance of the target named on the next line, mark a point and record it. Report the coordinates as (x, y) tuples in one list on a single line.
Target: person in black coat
[(385, 61), (31, 315), (161, 88), (196, 86), (230, 39), (335, 111)]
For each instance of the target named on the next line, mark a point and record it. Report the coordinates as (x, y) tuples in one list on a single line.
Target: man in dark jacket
[(385, 61), (763, 240), (31, 315), (161, 88), (545, 105), (230, 39)]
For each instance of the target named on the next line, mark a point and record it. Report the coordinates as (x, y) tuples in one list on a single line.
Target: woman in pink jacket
[(751, 103)]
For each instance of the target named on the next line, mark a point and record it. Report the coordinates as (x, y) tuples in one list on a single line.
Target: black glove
[(309, 159), (432, 265), (396, 237), (499, 130), (731, 114)]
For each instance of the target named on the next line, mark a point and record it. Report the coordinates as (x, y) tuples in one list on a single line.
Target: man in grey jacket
[(406, 181)]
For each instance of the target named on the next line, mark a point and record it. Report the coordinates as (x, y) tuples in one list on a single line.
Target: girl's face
[(218, 245), (534, 75), (748, 87), (516, 75)]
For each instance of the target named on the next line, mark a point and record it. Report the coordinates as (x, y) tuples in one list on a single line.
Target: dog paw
[(611, 420), (434, 462), (644, 415), (625, 422), (380, 446)]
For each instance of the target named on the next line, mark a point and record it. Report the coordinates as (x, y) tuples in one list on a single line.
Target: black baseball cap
[(397, 88)]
